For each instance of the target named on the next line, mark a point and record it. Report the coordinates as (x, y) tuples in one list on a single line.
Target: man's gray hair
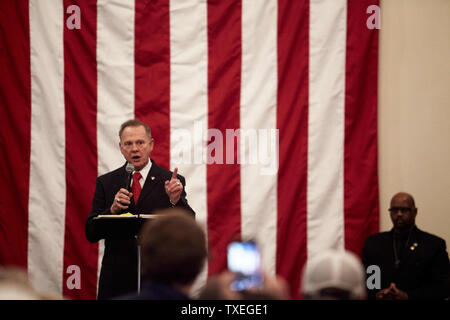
[(135, 123)]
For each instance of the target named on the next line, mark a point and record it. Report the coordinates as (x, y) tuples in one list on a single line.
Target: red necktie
[(136, 187)]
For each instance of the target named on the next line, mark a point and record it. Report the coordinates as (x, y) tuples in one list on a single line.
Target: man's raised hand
[(174, 188)]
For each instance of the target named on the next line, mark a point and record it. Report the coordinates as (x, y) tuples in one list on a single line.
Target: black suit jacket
[(118, 274), (422, 272)]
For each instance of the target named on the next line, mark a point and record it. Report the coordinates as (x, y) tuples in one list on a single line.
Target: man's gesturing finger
[(174, 174)]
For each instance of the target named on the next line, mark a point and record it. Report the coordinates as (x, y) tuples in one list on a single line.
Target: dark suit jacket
[(118, 274), (422, 271)]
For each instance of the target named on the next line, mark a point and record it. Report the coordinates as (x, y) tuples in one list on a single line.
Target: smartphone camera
[(244, 260)]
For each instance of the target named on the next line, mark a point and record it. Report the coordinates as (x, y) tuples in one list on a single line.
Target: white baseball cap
[(334, 269)]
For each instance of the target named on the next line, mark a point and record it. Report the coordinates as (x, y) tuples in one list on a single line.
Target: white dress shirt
[(144, 173)]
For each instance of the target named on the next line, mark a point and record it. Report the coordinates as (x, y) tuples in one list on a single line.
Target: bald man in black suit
[(414, 264)]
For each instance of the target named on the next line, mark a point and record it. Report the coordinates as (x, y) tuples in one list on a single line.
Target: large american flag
[(305, 67)]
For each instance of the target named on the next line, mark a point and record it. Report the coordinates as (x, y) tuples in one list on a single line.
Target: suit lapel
[(153, 179), (411, 247)]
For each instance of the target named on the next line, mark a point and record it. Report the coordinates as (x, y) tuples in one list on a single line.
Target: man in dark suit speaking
[(152, 188), (414, 264)]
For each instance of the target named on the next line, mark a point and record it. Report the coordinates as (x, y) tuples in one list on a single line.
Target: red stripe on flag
[(224, 80), (292, 121), (152, 73), (80, 89), (361, 211), (15, 124)]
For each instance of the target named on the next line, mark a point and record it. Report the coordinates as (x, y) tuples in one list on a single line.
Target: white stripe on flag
[(189, 101), (115, 71), (258, 123), (327, 43), (47, 198)]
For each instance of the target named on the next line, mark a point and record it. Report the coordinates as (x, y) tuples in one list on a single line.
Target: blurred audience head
[(334, 275), (14, 285), (173, 249)]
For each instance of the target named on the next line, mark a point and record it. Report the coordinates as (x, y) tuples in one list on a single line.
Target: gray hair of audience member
[(173, 248), (334, 275), (15, 285)]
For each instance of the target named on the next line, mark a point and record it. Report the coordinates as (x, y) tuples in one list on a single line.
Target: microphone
[(129, 168)]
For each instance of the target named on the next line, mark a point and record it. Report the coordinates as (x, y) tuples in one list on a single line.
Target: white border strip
[(47, 198), (327, 49), (258, 114)]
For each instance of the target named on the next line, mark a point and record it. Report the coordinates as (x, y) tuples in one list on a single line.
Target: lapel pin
[(152, 177)]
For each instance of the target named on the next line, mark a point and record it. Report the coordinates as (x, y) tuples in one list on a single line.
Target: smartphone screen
[(244, 260)]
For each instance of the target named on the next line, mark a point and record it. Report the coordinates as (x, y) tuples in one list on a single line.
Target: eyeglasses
[(401, 209)]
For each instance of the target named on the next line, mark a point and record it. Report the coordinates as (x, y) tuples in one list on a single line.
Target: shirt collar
[(145, 170)]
